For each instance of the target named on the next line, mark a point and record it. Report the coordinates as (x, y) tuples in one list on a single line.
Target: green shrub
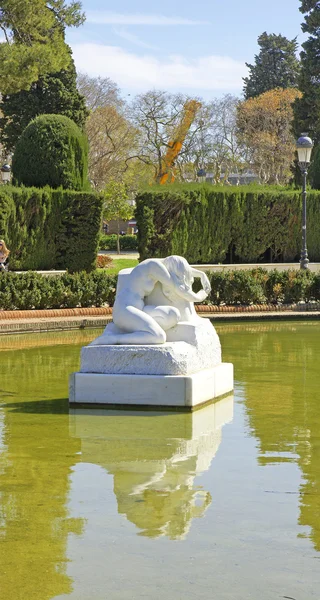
[(52, 150), (259, 286), (50, 229), (22, 291), (26, 291), (208, 224), (241, 287), (127, 242)]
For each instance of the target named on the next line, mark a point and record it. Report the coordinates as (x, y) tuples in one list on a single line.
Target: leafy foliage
[(109, 242), (265, 128), (276, 66), (259, 286), (25, 291), (51, 151), (54, 93), (209, 224), (50, 229), (34, 40), (116, 205), (111, 138), (307, 107)]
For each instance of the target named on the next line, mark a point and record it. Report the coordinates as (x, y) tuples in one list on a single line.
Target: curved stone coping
[(12, 315), (9, 315)]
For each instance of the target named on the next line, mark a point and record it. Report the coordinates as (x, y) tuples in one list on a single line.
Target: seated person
[(4, 253)]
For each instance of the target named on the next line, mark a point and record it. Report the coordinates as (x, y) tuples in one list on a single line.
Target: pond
[(223, 503)]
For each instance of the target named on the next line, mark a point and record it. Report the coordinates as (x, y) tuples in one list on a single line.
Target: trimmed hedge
[(50, 229), (208, 224), (23, 291), (52, 150), (259, 286), (127, 242)]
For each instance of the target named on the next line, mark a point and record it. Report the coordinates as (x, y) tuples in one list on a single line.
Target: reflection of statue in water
[(154, 458), (137, 321)]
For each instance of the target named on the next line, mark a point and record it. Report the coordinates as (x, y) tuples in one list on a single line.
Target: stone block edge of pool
[(66, 323)]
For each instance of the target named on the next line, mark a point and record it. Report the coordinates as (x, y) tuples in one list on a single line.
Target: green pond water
[(221, 504)]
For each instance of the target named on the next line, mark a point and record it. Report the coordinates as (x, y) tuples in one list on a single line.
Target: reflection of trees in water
[(280, 369), (154, 460), (27, 373), (36, 458), (53, 338)]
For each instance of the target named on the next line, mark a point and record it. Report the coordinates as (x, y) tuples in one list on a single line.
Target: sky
[(194, 47)]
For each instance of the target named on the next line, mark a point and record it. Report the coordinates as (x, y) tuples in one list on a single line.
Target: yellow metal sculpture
[(167, 174)]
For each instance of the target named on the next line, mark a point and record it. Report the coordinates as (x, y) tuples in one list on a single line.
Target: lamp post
[(201, 175), (6, 173), (304, 148)]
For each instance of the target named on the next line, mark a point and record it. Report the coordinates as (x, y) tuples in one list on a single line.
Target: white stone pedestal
[(184, 372), (151, 390)]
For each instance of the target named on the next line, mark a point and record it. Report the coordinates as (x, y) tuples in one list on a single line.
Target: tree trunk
[(118, 238)]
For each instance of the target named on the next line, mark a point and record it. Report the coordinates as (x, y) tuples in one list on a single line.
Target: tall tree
[(276, 66), (99, 91), (117, 205), (159, 118), (265, 128), (307, 108), (33, 40), (215, 146), (52, 94), (111, 140)]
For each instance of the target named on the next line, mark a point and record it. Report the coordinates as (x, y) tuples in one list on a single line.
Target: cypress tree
[(276, 66), (307, 108)]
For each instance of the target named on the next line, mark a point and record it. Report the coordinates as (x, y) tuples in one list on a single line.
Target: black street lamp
[(201, 175), (5, 173), (304, 148)]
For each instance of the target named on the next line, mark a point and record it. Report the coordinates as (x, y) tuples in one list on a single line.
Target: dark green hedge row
[(50, 229), (30, 290), (127, 242), (207, 224), (25, 291)]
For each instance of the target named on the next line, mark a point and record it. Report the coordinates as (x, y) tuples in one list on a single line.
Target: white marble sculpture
[(135, 319), (157, 351)]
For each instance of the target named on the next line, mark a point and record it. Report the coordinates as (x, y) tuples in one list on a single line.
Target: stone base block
[(160, 391), (189, 348)]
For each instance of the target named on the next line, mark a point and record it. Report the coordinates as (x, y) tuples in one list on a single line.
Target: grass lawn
[(121, 263)]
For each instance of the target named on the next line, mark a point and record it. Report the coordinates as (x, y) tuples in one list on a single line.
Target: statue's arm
[(189, 295), (161, 274), (204, 279)]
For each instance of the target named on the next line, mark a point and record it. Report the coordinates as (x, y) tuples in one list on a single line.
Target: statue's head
[(180, 268)]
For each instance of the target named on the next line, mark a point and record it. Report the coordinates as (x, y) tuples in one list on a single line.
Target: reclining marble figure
[(151, 299)]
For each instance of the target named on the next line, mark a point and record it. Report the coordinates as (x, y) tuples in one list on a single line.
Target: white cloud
[(112, 18), (142, 72), (133, 39)]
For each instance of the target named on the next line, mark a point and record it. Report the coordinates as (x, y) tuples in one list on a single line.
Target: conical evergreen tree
[(307, 108), (276, 66)]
